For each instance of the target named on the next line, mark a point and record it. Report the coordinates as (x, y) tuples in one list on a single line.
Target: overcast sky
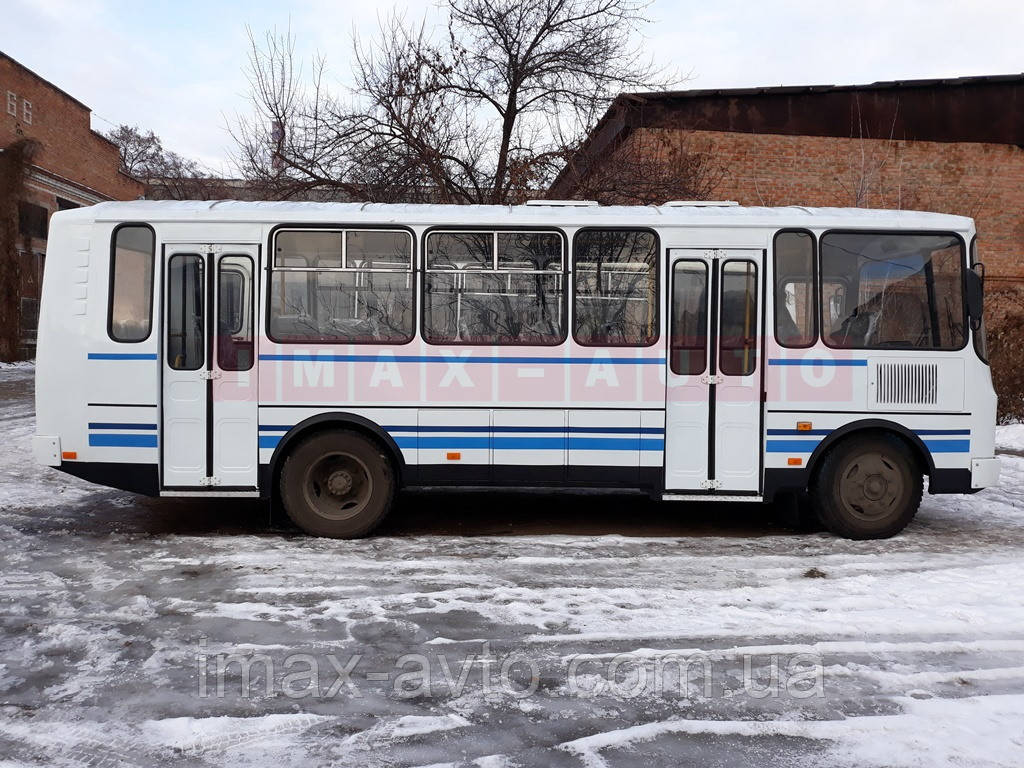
[(176, 66)]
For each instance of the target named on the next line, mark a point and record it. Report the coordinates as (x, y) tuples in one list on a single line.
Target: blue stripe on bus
[(122, 441), (790, 446), (827, 362), (798, 432), (514, 443), (95, 425), (948, 446), (388, 358), (546, 430), (122, 356), (808, 446)]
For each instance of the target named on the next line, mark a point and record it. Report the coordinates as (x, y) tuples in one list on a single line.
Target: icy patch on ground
[(114, 607)]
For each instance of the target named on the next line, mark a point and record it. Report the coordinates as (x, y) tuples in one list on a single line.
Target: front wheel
[(868, 487), (338, 484)]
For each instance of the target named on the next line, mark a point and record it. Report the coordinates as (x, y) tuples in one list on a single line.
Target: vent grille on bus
[(907, 383)]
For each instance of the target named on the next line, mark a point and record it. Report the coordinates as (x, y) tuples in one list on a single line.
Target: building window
[(892, 291), (616, 287), (12, 103), (794, 289), (66, 205), (494, 288), (353, 286), (33, 220), (26, 111), (131, 284)]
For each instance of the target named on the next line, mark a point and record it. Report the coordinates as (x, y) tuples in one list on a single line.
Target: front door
[(209, 405), (713, 399)]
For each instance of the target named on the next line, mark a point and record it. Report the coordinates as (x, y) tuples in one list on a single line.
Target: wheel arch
[(914, 442), (324, 422)]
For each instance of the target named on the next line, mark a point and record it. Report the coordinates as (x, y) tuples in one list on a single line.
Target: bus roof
[(703, 215)]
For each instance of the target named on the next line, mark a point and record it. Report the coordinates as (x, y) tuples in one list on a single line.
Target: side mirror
[(976, 294)]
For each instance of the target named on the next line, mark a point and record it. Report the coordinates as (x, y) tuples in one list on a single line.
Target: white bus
[(327, 355)]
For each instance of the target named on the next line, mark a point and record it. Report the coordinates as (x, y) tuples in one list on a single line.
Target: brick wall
[(985, 181), (61, 125)]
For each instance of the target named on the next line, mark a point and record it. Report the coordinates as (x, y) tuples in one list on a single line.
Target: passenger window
[(186, 316), (234, 314), (494, 288), (794, 289), (892, 291), (738, 326), (130, 315), (352, 286), (615, 288), (689, 317)]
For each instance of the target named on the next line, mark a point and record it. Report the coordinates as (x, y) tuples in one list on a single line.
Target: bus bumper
[(984, 472), (46, 450)]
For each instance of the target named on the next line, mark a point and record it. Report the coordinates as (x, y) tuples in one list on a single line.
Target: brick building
[(71, 165), (951, 146)]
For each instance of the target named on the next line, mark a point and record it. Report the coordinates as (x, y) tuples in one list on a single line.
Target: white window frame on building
[(26, 111), (12, 103)]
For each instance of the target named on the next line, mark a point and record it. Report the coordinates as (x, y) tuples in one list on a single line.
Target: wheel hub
[(875, 487), (339, 483)]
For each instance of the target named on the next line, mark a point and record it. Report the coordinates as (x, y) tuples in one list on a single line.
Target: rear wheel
[(338, 484), (868, 487)]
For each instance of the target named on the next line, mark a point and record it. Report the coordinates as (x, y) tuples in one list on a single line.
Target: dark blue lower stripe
[(485, 442), (105, 425), (122, 441), (823, 361), (122, 356)]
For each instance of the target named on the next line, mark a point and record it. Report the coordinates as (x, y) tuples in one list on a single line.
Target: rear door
[(713, 399), (209, 403)]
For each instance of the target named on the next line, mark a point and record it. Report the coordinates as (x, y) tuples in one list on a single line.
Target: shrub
[(1004, 316)]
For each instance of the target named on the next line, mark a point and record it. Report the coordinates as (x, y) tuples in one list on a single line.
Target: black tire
[(338, 484), (867, 487)]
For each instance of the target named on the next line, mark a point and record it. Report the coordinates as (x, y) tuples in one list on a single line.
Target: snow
[(1010, 437), (448, 640)]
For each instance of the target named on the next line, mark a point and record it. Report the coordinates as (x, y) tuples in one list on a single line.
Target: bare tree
[(651, 167), (486, 111), (166, 174)]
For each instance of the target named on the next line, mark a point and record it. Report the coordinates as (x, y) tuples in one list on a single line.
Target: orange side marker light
[(803, 426), (794, 461), (453, 455), (70, 455)]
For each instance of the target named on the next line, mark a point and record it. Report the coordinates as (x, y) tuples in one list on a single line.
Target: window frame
[(343, 228), (252, 307), (815, 289), (12, 103), (909, 233), (972, 260), (719, 336), (26, 111), (208, 355), (110, 281), (672, 316), (657, 286), (495, 231)]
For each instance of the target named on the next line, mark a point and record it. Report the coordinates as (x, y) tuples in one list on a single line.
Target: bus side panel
[(96, 395)]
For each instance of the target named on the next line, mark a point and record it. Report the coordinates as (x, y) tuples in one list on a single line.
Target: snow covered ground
[(500, 630)]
